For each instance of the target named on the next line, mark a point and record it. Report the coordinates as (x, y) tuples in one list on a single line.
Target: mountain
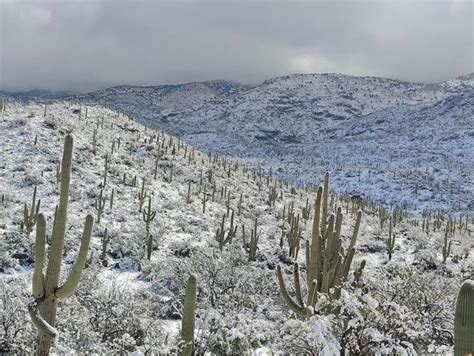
[(37, 94), (381, 137), (147, 104)]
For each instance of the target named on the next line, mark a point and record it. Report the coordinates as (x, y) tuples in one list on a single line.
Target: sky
[(83, 45)]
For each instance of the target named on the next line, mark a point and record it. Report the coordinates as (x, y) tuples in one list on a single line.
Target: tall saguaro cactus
[(327, 262), (464, 320), (187, 323), (46, 290)]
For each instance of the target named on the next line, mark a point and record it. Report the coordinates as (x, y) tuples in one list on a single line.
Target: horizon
[(84, 46), (69, 92)]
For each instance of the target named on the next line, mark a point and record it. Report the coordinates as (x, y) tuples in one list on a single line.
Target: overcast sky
[(85, 45)]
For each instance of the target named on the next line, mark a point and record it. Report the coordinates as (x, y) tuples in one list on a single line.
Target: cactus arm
[(347, 264), (40, 242), (336, 276), (356, 231), (327, 255), (325, 203), (33, 201), (296, 274), (337, 232), (308, 257), (313, 294), (72, 280), (41, 324), (312, 263), (38, 207), (189, 311), (293, 306)]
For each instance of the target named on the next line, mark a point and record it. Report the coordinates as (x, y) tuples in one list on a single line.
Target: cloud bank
[(89, 44)]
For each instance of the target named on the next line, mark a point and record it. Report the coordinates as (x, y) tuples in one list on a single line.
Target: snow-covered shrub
[(109, 316), (219, 274), (16, 333), (363, 325), (52, 122), (419, 306)]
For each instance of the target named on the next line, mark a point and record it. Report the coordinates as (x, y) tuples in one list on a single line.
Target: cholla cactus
[(46, 290)]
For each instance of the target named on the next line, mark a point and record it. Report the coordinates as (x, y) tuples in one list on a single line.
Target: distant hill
[(381, 137)]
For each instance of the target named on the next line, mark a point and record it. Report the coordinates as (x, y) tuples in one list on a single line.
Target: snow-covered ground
[(405, 305)]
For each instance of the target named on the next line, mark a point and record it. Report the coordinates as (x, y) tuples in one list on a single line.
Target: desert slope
[(387, 132), (127, 303)]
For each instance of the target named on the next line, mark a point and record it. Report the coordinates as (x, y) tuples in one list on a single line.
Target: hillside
[(387, 138), (128, 303)]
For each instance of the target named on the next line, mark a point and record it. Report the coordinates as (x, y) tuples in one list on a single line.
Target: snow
[(248, 311)]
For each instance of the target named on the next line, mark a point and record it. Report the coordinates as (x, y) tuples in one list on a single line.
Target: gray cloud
[(89, 44)]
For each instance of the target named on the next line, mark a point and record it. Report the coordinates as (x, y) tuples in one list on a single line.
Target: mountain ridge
[(288, 124)]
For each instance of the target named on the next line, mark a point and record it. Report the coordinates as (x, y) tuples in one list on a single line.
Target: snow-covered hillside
[(381, 137), (126, 303)]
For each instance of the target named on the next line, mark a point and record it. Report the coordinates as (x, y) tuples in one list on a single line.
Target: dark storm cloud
[(84, 45)]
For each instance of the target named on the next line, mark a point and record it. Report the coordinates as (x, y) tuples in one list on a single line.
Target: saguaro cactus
[(148, 216), (220, 235), (446, 245), (327, 263), (252, 247), (294, 237), (188, 195), (205, 198), (187, 323), (99, 206), (464, 320), (272, 196), (30, 215), (141, 196), (390, 241), (105, 241), (46, 291), (106, 168)]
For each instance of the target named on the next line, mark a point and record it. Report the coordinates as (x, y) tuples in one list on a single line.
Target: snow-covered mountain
[(381, 137), (127, 303)]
